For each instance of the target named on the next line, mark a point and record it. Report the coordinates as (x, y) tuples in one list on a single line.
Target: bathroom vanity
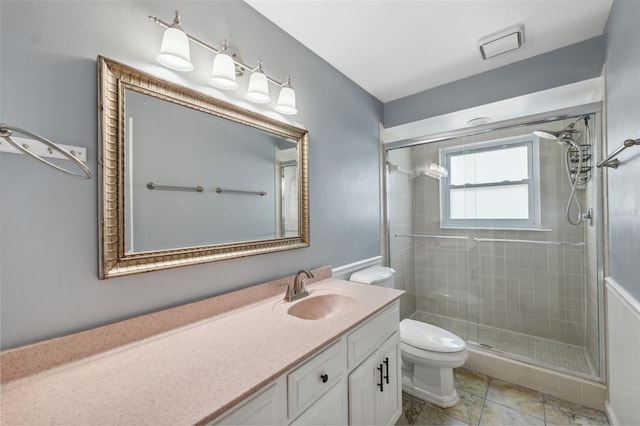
[(259, 362), (356, 380)]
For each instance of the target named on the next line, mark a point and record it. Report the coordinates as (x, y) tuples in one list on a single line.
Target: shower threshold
[(534, 350)]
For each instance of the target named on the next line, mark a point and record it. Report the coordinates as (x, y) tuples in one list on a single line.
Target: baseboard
[(613, 420)]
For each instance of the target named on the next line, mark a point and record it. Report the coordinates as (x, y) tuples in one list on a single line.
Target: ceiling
[(395, 48)]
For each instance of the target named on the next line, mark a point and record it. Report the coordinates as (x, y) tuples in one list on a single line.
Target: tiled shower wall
[(533, 289), (400, 196)]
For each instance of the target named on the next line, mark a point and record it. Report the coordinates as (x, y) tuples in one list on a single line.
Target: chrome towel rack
[(51, 149), (441, 237), (546, 243), (152, 185), (613, 162), (238, 191)]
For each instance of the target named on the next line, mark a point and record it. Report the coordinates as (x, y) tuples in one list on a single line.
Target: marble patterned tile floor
[(488, 401)]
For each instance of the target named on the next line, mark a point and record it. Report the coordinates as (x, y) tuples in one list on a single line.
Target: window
[(491, 184)]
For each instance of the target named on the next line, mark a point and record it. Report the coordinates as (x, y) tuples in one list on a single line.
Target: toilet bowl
[(429, 353)]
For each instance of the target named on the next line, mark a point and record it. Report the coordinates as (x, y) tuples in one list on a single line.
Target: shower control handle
[(381, 384)]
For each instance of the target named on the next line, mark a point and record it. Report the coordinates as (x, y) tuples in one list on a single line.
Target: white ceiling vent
[(502, 42)]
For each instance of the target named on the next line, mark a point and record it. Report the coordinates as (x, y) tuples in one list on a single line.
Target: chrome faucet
[(299, 283), (297, 289)]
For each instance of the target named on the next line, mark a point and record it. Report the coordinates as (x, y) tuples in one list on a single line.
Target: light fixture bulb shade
[(287, 101), (223, 74), (174, 51), (258, 90)]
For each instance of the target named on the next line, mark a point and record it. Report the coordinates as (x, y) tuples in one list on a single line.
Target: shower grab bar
[(444, 237), (152, 185), (238, 191), (546, 243), (613, 162)]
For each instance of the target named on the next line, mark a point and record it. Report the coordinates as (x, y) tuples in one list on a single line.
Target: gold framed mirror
[(185, 178)]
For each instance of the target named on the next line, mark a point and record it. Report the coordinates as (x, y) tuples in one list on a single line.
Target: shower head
[(567, 135), (546, 134)]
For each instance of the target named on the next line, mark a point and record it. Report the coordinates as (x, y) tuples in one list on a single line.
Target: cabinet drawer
[(368, 337), (330, 409), (309, 381)]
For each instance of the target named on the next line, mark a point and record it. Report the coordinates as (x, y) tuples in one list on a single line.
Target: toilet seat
[(429, 338)]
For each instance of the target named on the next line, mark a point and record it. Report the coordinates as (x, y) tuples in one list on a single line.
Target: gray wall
[(577, 62), (622, 46), (48, 226)]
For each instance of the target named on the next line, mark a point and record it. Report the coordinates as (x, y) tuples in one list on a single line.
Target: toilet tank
[(376, 275)]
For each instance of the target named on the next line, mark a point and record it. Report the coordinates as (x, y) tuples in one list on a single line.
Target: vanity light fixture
[(287, 99), (174, 51), (258, 90), (175, 55), (223, 73)]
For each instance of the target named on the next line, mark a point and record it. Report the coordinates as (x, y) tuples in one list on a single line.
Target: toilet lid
[(429, 337)]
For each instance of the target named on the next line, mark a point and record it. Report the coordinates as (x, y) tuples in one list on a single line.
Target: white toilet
[(429, 353)]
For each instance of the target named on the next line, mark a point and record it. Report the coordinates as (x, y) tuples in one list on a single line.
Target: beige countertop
[(190, 374)]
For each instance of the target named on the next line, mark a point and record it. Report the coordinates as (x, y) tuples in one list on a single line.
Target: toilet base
[(444, 401)]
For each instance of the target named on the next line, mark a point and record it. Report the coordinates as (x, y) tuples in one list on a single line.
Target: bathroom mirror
[(186, 178)]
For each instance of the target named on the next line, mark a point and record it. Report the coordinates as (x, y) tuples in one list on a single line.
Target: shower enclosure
[(496, 236)]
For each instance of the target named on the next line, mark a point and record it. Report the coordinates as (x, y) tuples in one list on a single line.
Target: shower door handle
[(381, 384)]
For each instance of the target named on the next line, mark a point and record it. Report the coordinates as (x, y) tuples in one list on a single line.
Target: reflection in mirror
[(178, 148), (186, 178)]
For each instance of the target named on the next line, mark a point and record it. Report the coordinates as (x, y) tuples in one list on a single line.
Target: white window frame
[(533, 181)]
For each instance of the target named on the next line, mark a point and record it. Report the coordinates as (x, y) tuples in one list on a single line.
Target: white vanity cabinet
[(319, 387), (266, 407), (355, 380), (330, 409), (375, 385)]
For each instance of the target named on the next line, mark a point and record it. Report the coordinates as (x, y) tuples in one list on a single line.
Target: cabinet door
[(265, 408), (375, 387), (390, 399), (362, 392), (330, 409)]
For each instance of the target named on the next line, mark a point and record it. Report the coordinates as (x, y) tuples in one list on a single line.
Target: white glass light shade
[(174, 51), (223, 74), (258, 90), (287, 101)]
